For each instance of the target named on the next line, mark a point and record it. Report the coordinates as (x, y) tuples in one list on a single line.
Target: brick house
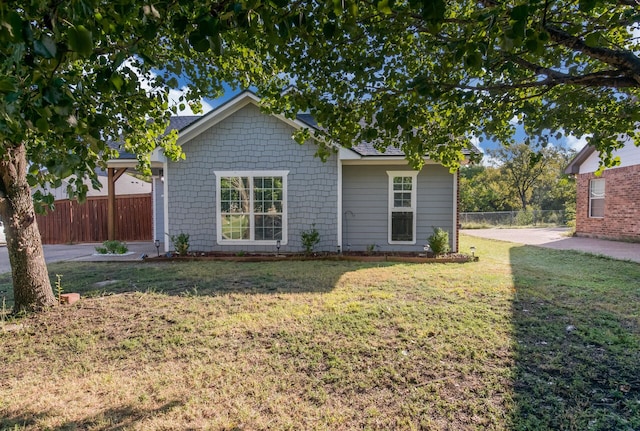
[(608, 206), (247, 186)]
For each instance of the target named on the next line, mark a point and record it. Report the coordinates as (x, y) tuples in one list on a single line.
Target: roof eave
[(574, 166)]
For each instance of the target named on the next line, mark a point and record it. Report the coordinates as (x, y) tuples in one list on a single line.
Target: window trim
[(591, 197), (251, 175), (392, 209)]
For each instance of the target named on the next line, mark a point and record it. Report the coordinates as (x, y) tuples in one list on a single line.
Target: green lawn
[(524, 339)]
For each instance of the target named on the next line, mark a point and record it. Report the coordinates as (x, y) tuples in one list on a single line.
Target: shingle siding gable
[(245, 141)]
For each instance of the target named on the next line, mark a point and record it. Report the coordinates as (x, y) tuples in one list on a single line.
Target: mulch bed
[(347, 256)]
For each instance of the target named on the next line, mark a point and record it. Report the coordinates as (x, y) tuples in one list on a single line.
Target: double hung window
[(251, 207), (596, 198), (402, 207)]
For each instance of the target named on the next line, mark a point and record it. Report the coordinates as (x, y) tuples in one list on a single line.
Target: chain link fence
[(514, 218)]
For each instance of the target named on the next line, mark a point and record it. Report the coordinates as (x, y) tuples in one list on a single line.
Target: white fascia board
[(157, 156), (131, 163), (122, 163)]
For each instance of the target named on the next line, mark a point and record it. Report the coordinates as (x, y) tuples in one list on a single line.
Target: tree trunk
[(31, 286)]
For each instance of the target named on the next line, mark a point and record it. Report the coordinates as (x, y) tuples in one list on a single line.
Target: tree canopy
[(429, 75)]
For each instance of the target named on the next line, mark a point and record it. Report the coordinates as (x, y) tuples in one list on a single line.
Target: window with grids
[(596, 198), (402, 207), (251, 207)]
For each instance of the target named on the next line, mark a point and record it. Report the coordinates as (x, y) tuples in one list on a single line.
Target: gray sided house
[(247, 186)]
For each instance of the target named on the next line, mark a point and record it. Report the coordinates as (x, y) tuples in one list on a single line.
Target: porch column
[(112, 176)]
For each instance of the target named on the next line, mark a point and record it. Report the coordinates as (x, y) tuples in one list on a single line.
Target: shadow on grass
[(92, 279), (577, 329), (111, 419)]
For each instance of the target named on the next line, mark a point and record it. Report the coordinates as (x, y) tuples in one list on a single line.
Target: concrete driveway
[(83, 252), (557, 238)]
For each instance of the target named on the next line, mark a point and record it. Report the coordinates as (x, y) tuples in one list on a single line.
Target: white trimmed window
[(251, 207), (596, 198), (402, 207)]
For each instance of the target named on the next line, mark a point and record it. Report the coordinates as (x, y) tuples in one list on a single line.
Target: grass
[(527, 338)]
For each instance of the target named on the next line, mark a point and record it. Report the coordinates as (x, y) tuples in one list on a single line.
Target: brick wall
[(621, 205)]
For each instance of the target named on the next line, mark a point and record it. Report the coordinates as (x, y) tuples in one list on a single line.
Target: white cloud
[(174, 100), (487, 160), (576, 143)]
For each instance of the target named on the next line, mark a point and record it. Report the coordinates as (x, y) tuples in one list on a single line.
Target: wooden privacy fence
[(71, 222)]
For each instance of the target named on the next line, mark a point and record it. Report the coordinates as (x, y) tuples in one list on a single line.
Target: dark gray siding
[(249, 140), (365, 206)]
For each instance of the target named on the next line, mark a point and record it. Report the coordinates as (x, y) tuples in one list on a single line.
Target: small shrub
[(439, 241), (112, 247), (570, 215), (524, 218), (310, 238), (180, 243), (371, 248)]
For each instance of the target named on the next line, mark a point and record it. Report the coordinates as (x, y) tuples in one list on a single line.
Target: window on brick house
[(596, 198), (251, 207)]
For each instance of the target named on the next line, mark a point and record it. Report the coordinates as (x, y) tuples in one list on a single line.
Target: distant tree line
[(519, 178)]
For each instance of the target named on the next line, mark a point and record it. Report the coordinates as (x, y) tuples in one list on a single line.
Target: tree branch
[(624, 60)]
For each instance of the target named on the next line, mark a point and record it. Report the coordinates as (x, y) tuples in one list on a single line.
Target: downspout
[(165, 175), (154, 206), (455, 210), (339, 204)]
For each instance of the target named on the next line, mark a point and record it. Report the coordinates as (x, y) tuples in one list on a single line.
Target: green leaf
[(42, 124), (117, 81), (150, 31), (45, 47), (180, 24), (198, 41), (434, 10), (353, 9), (533, 45), (593, 39), (587, 5), (8, 84), (473, 60), (383, 6), (208, 27), (520, 13), (80, 40), (329, 30)]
